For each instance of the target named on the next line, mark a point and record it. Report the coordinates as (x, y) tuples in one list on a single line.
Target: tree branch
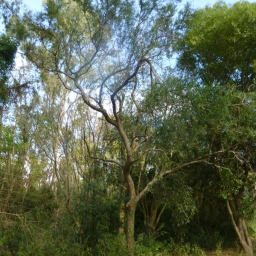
[(100, 158)]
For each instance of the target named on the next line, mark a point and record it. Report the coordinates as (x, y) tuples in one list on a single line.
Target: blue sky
[(33, 4), (36, 4)]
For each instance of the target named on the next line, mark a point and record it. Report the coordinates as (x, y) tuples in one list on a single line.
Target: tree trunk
[(130, 223), (130, 211), (121, 218), (240, 227), (246, 240), (151, 213)]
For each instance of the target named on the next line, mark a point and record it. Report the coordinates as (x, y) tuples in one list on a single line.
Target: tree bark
[(151, 213), (121, 218), (130, 223), (240, 227), (130, 209)]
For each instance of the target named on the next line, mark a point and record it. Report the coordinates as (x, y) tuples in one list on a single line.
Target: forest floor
[(230, 252)]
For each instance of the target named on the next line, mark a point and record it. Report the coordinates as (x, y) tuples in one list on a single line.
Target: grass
[(230, 252)]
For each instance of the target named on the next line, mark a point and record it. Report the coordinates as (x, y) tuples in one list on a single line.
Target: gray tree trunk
[(240, 227)]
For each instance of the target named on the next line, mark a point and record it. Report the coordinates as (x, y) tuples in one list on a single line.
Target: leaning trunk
[(245, 238), (240, 227)]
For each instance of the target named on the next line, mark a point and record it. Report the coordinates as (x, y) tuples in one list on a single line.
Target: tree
[(8, 50), (110, 53), (218, 44), (171, 197), (10, 85), (225, 118), (217, 47), (7, 54)]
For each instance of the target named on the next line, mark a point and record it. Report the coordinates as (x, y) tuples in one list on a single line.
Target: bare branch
[(105, 80), (161, 175), (94, 107), (126, 81)]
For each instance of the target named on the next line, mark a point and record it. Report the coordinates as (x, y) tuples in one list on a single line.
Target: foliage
[(39, 204), (218, 44), (186, 249), (28, 238), (147, 246), (113, 127), (228, 142), (111, 245), (98, 213), (8, 50), (231, 136)]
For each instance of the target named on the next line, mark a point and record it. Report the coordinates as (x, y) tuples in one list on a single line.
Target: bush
[(111, 245), (146, 246), (151, 247), (185, 249)]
